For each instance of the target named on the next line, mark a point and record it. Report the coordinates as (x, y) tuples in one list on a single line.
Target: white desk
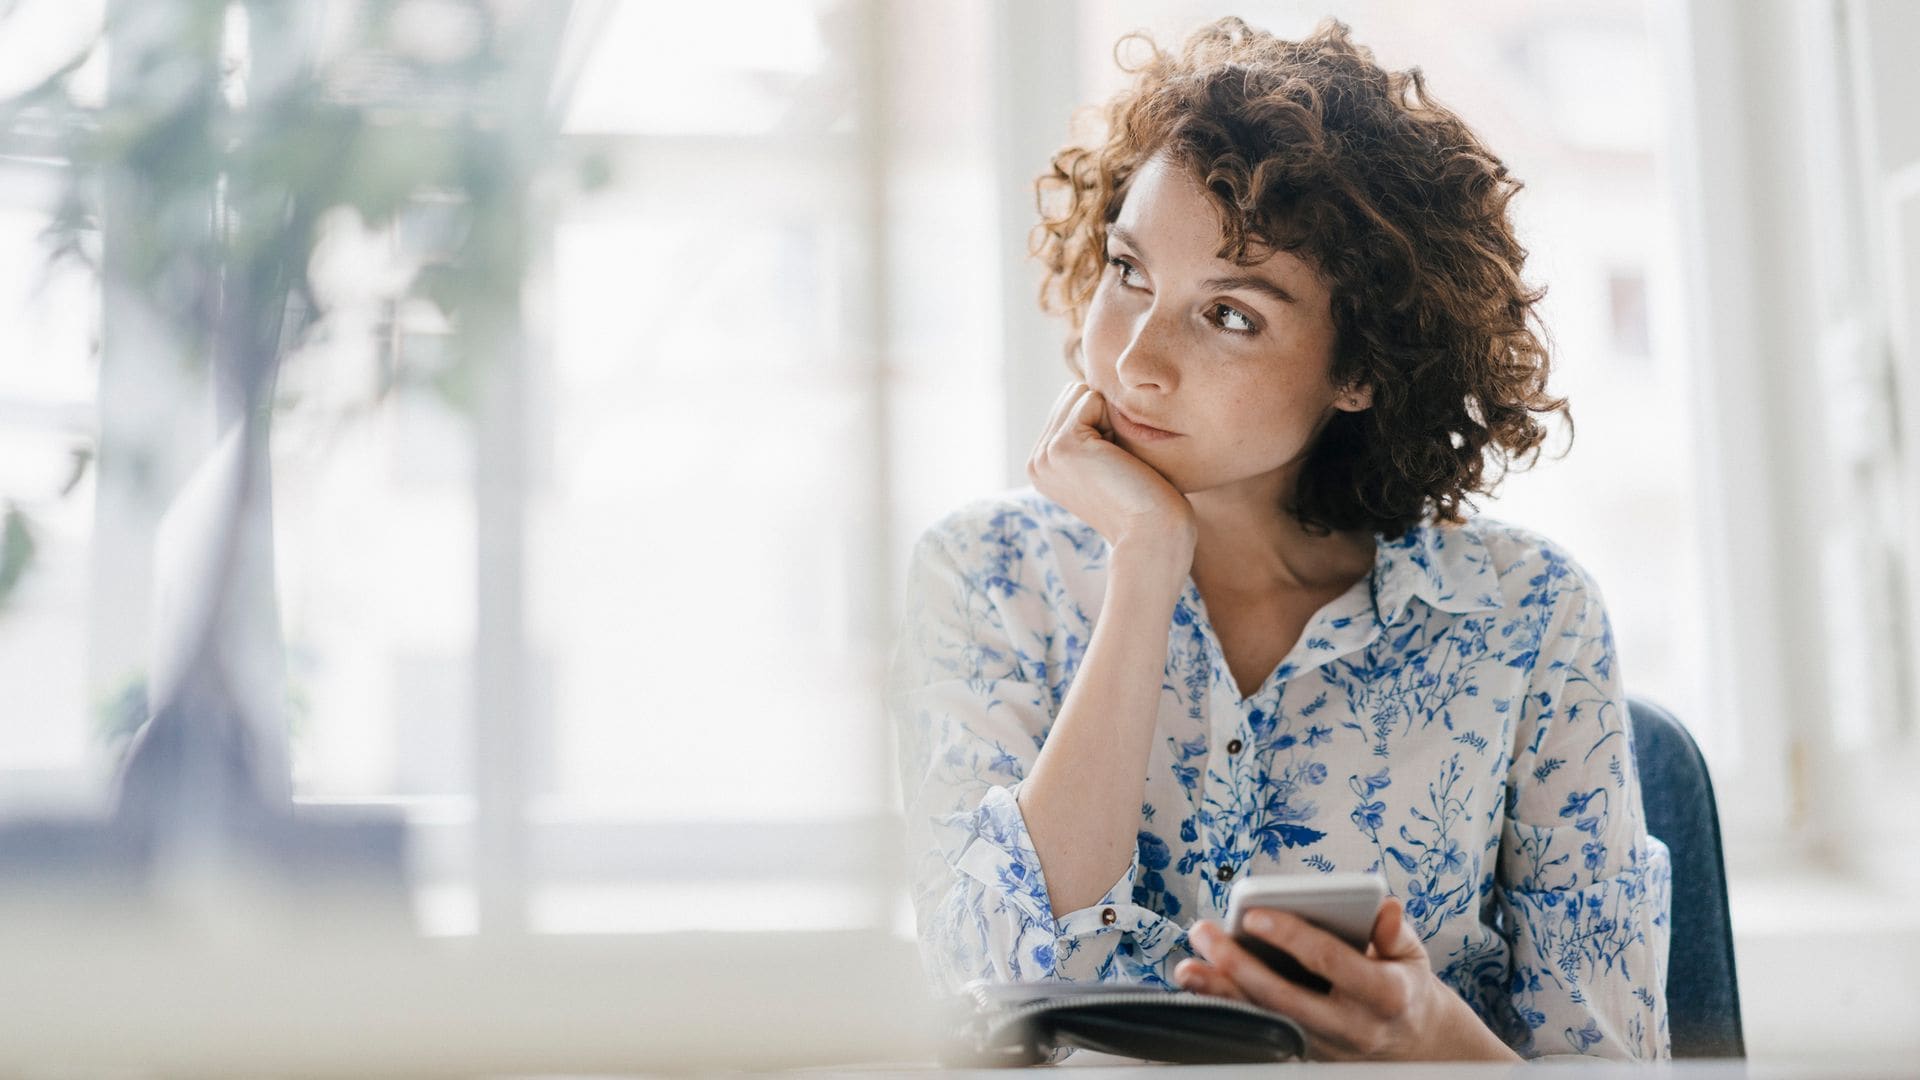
[(1087, 1066), (106, 1002), (109, 1000)]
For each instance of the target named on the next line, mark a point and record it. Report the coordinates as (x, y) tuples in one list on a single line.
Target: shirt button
[(1108, 916), (1225, 873), (1233, 747)]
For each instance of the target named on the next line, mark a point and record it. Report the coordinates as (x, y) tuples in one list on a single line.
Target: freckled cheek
[(1265, 423)]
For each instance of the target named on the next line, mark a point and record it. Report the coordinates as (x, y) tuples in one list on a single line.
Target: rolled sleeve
[(1582, 891), (968, 727), (1087, 945)]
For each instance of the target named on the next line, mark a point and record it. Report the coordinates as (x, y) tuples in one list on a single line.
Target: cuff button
[(1108, 917)]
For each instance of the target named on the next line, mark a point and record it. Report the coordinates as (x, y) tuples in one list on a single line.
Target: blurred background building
[(796, 322)]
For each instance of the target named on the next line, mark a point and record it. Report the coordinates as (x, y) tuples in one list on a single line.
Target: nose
[(1148, 360)]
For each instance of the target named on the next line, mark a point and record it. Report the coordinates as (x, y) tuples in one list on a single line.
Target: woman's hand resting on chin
[(1121, 496)]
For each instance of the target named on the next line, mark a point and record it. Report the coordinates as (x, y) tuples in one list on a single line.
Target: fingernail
[(1259, 922)]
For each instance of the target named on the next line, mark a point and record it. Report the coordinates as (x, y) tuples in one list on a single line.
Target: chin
[(1182, 480), (1191, 481)]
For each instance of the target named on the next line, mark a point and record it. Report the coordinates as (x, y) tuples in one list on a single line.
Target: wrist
[(1468, 1037), (1167, 553), (1155, 576)]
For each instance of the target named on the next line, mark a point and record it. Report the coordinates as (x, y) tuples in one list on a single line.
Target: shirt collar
[(1448, 566)]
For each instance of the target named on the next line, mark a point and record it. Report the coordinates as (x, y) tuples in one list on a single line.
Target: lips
[(1135, 428)]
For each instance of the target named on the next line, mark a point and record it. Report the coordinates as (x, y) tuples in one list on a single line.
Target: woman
[(1238, 624)]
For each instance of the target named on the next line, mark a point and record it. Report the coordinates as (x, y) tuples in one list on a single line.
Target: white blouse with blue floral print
[(1455, 721)]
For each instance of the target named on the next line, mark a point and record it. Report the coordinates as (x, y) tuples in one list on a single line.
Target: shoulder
[(1018, 522), (1533, 569)]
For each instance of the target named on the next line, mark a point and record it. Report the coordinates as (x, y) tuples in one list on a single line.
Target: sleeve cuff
[(1001, 857)]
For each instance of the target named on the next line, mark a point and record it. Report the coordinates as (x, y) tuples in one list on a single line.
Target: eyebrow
[(1252, 282)]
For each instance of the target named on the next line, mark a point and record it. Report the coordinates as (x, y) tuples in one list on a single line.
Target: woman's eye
[(1227, 318), (1227, 313)]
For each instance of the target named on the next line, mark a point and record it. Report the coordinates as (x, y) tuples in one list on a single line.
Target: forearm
[(1081, 801)]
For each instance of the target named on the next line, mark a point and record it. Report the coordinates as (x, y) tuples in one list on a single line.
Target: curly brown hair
[(1311, 147)]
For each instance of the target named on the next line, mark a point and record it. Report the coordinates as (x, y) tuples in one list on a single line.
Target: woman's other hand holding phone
[(1122, 497), (1385, 1004)]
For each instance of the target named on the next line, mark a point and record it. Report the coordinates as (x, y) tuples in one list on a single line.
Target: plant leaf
[(16, 551)]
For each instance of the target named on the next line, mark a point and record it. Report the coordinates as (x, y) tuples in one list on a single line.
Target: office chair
[(1703, 994)]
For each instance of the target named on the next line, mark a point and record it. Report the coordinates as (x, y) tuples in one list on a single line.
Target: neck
[(1248, 544)]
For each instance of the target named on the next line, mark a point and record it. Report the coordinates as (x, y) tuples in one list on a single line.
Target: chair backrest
[(1703, 994)]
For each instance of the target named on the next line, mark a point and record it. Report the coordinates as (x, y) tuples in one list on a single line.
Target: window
[(723, 418)]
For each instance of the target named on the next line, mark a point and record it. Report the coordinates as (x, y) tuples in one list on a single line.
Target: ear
[(1355, 399)]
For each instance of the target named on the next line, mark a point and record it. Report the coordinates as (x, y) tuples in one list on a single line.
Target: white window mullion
[(499, 650), (1865, 623), (1711, 49), (1877, 776), (868, 303), (1036, 84), (505, 349), (1887, 163), (1901, 206)]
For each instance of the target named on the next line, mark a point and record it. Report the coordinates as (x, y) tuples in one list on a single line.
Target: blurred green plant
[(119, 715), (16, 549), (232, 145)]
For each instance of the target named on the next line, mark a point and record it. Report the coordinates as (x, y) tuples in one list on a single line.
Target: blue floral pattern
[(1455, 721)]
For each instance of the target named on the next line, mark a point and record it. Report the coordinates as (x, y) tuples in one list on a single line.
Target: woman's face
[(1232, 360)]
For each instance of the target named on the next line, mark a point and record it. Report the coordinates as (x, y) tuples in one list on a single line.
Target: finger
[(1105, 423), (1068, 394), (1061, 406), (1088, 411), (1203, 978), (1264, 987), (1378, 983), (1317, 950), (1393, 937), (1062, 418), (1068, 434)]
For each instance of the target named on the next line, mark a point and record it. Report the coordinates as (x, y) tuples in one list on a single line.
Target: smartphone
[(1344, 905)]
